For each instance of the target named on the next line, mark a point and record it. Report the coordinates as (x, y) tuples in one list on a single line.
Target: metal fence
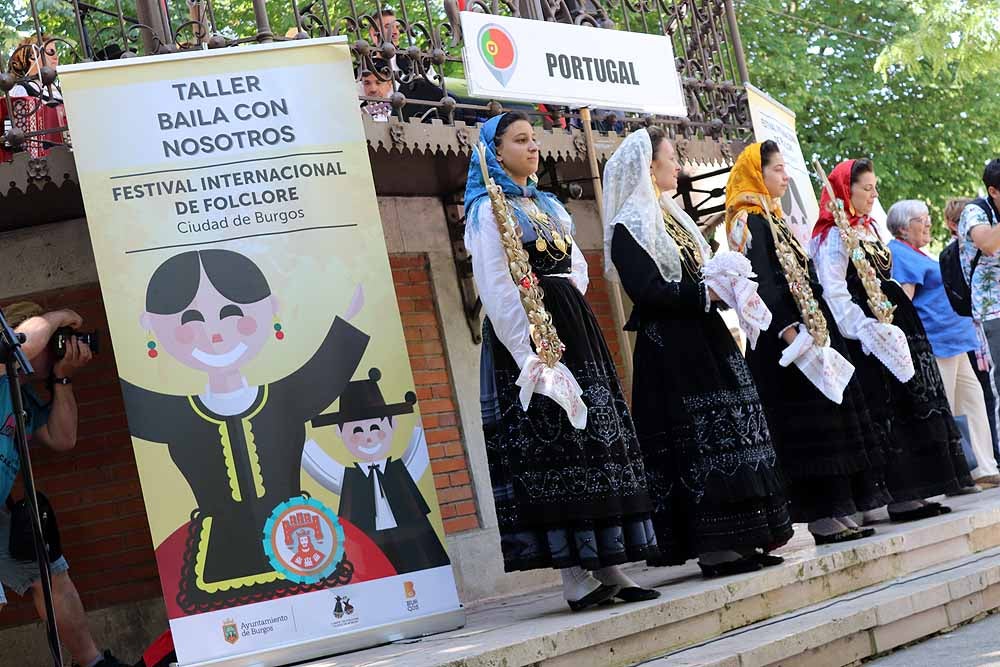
[(409, 53)]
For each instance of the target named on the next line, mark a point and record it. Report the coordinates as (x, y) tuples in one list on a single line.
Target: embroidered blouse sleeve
[(831, 269), (643, 283), (500, 296), (579, 275)]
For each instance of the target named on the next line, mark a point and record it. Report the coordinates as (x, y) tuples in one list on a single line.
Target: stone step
[(538, 629), (853, 627)]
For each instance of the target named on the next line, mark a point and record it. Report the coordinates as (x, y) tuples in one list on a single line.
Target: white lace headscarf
[(630, 201)]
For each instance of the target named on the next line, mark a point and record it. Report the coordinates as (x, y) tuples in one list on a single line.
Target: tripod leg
[(21, 439)]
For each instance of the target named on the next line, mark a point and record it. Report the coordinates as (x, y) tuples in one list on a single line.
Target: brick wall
[(422, 329), (600, 302)]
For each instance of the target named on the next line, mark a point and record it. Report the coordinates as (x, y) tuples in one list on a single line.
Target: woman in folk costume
[(830, 456), (565, 464), (888, 346), (712, 472)]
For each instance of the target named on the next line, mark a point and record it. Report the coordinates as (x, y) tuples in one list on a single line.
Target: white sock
[(906, 506), (613, 576), (824, 527), (848, 521), (716, 557), (577, 583)]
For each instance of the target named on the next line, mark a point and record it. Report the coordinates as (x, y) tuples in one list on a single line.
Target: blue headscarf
[(475, 187)]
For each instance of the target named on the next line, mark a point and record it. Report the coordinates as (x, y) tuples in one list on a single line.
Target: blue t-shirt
[(950, 334), (37, 416)]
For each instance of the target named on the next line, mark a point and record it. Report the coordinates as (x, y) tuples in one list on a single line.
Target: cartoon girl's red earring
[(151, 346), (278, 333)]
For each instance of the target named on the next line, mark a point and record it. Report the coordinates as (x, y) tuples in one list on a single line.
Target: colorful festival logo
[(498, 51), (304, 540), (229, 631)]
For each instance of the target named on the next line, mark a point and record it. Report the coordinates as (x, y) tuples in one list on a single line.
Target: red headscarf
[(840, 179)]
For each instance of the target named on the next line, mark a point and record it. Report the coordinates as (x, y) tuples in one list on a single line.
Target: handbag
[(22, 541), (962, 422)]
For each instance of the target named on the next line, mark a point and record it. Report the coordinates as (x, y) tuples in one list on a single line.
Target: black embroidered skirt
[(922, 444), (831, 456), (711, 466), (565, 497)]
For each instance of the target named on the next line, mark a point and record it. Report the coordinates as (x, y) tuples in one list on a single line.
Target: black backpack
[(956, 284)]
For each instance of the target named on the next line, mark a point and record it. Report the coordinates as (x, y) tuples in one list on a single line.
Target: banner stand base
[(325, 647)]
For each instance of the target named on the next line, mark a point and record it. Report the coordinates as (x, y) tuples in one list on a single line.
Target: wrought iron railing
[(421, 38)]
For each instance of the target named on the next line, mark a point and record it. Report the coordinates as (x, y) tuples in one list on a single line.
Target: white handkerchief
[(888, 343), (728, 274), (557, 383), (827, 370)]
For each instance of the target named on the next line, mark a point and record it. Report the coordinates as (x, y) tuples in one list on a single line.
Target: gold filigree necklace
[(546, 228), (689, 249)]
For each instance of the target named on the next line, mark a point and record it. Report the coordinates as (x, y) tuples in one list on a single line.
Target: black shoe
[(941, 509), (637, 594), (741, 566), (767, 560), (848, 535), (600, 594), (922, 512)]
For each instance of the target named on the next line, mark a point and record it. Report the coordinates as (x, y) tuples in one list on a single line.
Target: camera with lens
[(62, 335)]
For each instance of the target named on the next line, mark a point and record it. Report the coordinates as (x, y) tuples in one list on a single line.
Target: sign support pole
[(614, 291)]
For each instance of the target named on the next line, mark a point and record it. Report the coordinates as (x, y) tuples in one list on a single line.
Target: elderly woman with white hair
[(951, 335)]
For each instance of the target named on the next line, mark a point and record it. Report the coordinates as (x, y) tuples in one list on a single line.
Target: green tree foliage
[(929, 135), (957, 37)]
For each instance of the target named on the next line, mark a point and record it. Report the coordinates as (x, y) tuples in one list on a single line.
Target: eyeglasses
[(921, 220)]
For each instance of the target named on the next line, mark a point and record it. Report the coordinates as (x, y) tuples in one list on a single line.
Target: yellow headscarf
[(743, 194)]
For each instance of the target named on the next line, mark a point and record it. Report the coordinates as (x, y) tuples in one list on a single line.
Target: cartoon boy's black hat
[(363, 400)]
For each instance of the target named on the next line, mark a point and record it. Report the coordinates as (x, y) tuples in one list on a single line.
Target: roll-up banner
[(266, 381)]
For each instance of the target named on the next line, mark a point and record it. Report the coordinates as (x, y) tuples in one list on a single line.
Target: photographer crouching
[(56, 354)]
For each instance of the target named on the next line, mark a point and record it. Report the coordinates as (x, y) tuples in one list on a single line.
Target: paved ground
[(973, 645)]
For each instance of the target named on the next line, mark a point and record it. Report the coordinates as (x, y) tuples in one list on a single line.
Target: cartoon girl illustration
[(238, 445)]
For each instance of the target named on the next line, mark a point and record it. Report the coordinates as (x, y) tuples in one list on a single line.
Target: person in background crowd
[(889, 348), (952, 337), (979, 236), (376, 81), (384, 28), (53, 425), (565, 462), (27, 60), (713, 477), (980, 357), (827, 448)]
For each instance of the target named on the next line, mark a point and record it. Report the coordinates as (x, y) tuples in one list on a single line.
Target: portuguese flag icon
[(498, 51)]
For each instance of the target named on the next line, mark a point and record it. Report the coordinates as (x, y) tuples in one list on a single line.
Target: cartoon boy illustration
[(379, 494)]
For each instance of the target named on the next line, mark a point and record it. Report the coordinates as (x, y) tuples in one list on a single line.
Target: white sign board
[(557, 63)]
